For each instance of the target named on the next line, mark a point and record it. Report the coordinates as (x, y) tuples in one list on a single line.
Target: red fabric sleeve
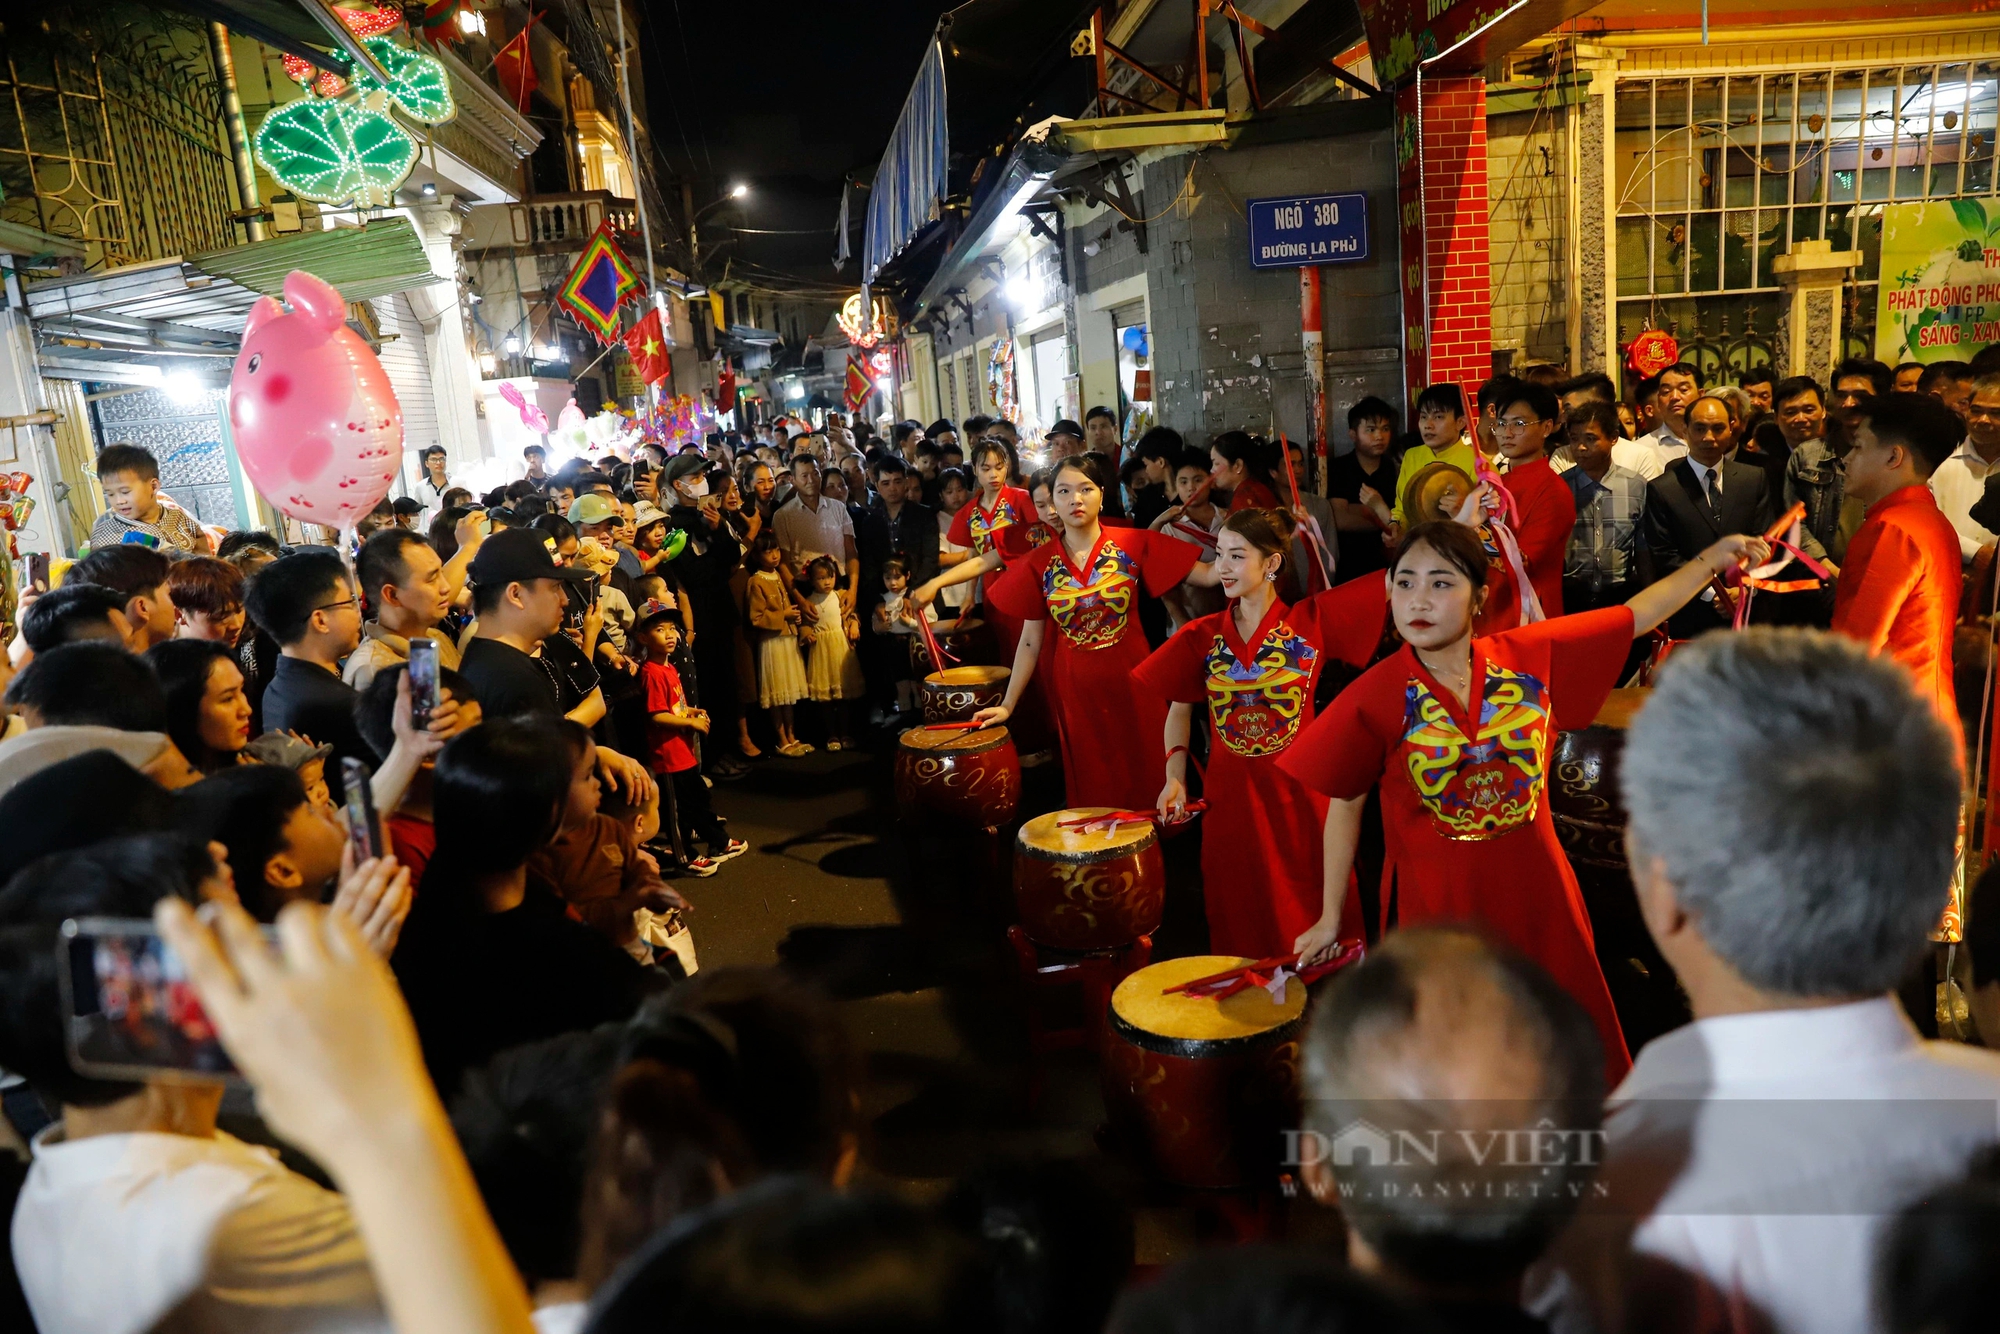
[(1342, 753), (1176, 670), (1880, 574), (1018, 590), (1348, 618), (1586, 651), (961, 526), (1546, 519), (1163, 561)]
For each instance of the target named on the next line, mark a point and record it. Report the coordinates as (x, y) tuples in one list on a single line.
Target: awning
[(135, 323), (913, 175)]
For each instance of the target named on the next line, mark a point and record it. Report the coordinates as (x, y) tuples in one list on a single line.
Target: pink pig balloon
[(317, 426)]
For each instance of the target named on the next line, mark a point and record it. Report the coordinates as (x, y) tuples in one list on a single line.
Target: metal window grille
[(114, 138), (1718, 175)]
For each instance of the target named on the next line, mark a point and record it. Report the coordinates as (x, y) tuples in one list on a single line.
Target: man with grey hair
[(1793, 821), (1455, 1098)]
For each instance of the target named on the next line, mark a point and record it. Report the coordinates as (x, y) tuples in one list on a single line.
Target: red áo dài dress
[(1112, 750), (1253, 494), (1465, 810), (1261, 836)]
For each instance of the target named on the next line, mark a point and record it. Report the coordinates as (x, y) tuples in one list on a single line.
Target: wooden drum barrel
[(1202, 1087), (1087, 890), (968, 777), (1589, 815), (956, 693)]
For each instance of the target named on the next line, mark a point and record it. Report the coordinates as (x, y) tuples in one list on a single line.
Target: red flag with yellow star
[(646, 344)]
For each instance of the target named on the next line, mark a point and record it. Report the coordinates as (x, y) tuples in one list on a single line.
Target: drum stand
[(1050, 976)]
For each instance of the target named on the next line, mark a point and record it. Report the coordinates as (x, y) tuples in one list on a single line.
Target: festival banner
[(602, 280), (1939, 298)]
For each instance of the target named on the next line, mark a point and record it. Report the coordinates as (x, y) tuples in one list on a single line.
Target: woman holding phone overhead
[(1457, 730), (1087, 582)]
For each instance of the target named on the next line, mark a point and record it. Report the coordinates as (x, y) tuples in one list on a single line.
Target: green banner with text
[(1940, 294)]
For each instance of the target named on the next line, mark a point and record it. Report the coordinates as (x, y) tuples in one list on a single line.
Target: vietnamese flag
[(646, 344), (515, 67)]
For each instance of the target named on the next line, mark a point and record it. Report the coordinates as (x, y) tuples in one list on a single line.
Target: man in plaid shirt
[(1607, 560)]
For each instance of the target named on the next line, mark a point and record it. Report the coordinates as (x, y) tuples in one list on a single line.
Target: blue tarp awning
[(911, 180)]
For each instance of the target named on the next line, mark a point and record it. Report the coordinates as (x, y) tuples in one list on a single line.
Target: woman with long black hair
[(489, 958)]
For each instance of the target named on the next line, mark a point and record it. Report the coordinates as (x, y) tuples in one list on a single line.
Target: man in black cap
[(519, 594), (1065, 440), (711, 555)]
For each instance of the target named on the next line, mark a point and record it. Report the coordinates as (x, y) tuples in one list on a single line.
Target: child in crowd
[(289, 750), (781, 672), (897, 614), (596, 865), (668, 755), (130, 477), (833, 672), (954, 494)]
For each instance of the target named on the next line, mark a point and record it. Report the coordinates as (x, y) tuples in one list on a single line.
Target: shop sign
[(629, 383), (1308, 229), (1939, 298)]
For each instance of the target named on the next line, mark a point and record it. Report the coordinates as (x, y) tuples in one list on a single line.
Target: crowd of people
[(411, 815)]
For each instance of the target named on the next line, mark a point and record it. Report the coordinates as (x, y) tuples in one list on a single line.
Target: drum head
[(1198, 1025), (954, 740), (1044, 834), (967, 676)]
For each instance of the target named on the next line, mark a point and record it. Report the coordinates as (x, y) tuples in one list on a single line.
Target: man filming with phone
[(407, 594)]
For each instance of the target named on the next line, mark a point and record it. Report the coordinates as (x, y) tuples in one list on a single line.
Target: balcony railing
[(570, 219)]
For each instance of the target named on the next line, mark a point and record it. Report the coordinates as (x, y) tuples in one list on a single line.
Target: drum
[(964, 776), (1203, 1088), (1589, 816), (1095, 890), (1584, 800), (956, 693)]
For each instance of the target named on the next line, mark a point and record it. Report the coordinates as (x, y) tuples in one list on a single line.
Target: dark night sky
[(787, 97)]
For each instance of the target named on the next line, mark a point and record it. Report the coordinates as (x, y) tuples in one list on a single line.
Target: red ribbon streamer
[(1499, 520), (1112, 819), (931, 646), (1264, 972)]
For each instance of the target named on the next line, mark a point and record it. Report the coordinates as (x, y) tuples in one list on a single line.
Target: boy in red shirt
[(669, 757)]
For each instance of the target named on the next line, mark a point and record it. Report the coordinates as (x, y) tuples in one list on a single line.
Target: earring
[(1270, 576)]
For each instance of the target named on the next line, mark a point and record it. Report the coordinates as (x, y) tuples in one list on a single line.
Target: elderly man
[(1794, 819), (1440, 1040)]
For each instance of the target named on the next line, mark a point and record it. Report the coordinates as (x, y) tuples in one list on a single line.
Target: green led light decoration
[(347, 149)]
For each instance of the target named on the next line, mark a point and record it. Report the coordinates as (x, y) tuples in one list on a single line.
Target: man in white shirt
[(810, 526), (1679, 384), (1794, 814), (137, 1213), (1961, 479)]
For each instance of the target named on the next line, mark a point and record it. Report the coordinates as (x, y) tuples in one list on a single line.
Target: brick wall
[(1451, 181)]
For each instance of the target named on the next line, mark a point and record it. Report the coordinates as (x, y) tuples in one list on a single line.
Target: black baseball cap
[(519, 555), (1067, 427)]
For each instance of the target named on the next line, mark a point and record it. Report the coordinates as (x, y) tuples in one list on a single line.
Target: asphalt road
[(904, 926)]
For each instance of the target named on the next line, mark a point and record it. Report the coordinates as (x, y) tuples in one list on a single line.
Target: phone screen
[(360, 806), (423, 680), (129, 1010)]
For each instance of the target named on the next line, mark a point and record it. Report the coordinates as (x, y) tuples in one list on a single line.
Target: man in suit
[(1699, 498)]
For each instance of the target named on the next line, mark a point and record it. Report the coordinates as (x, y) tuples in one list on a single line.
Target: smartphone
[(423, 680), (129, 1011), (360, 810)]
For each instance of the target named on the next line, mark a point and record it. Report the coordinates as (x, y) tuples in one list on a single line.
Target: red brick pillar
[(1442, 210)]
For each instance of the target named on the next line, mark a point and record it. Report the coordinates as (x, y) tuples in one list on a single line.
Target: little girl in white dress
[(781, 673), (833, 668)]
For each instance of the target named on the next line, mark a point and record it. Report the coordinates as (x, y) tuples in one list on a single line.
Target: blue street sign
[(1308, 229)]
